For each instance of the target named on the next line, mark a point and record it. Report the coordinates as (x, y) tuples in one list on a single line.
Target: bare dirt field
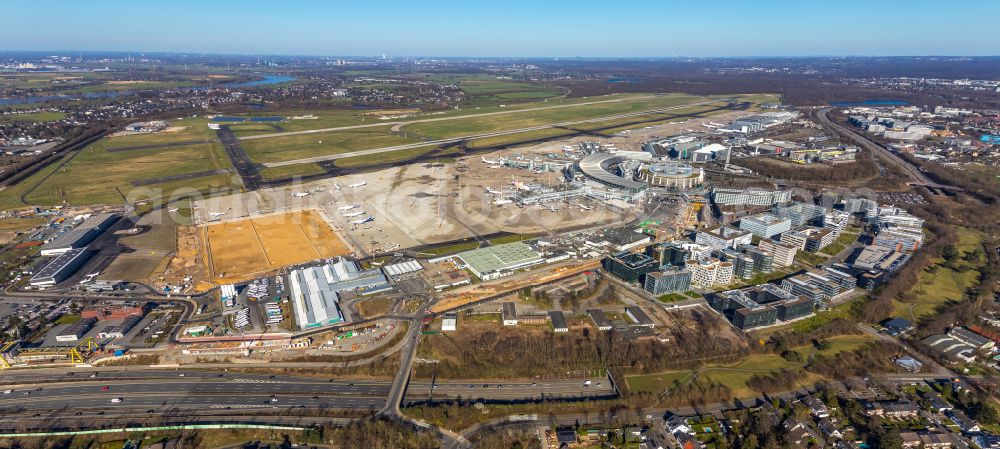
[(239, 249)]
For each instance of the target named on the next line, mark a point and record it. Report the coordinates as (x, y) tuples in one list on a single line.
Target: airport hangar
[(316, 291)]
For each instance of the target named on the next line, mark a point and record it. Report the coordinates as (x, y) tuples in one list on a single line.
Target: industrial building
[(497, 261), (450, 322), (619, 239), (401, 268), (75, 331), (671, 280), (315, 291), (122, 312), (765, 225), (629, 267), (60, 268), (80, 235)]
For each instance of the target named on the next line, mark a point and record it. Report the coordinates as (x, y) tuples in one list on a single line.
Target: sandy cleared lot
[(241, 248)]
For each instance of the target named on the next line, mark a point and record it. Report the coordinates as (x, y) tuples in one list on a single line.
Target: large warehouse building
[(499, 260), (81, 235), (315, 291), (60, 268)]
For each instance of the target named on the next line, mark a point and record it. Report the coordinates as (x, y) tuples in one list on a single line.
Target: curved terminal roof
[(596, 166), (672, 169)]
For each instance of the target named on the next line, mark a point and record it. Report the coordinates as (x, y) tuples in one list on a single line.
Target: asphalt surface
[(241, 162)]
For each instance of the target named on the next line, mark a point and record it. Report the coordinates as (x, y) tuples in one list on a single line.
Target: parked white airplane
[(348, 207), (354, 214), (336, 186), (362, 183), (554, 209), (173, 209), (584, 207), (363, 220), (709, 126), (300, 194), (493, 166), (502, 202), (488, 161), (216, 214)]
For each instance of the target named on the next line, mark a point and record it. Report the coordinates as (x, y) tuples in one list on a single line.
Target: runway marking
[(256, 381)]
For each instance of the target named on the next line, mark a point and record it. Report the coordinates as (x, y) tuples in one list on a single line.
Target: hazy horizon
[(517, 29)]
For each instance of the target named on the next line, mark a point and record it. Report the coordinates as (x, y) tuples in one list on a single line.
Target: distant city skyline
[(516, 28)]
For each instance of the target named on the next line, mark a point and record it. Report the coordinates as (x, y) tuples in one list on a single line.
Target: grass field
[(735, 376), (43, 116), (291, 170), (285, 148), (97, 175), (244, 247), (941, 284)]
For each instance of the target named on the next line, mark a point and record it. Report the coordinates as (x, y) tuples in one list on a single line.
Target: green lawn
[(99, 176), (42, 116), (736, 375), (284, 148), (940, 284), (66, 319), (291, 170)]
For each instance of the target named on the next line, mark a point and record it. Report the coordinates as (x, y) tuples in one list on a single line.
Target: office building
[(763, 261), (900, 239), (765, 225), (783, 255), (795, 240), (671, 280), (801, 214), (723, 237), (750, 197), (629, 267), (707, 273), (742, 266), (668, 254), (885, 217)]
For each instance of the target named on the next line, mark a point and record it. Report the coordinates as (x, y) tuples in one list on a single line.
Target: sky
[(516, 28)]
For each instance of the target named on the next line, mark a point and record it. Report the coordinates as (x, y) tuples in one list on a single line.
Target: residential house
[(964, 422), (829, 428), (816, 407)]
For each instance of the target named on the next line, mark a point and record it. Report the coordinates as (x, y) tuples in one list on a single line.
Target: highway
[(330, 157), (887, 156)]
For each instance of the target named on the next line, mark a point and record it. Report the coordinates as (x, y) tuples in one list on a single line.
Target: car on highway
[(587, 383), (274, 399), (8, 391), (105, 388), (116, 400)]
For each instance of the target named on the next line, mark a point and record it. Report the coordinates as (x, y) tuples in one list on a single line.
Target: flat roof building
[(558, 321), (723, 237), (630, 267), (639, 317), (315, 291), (60, 268), (450, 322), (765, 225), (600, 318), (509, 314), (497, 261), (81, 235), (74, 331), (671, 280)]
